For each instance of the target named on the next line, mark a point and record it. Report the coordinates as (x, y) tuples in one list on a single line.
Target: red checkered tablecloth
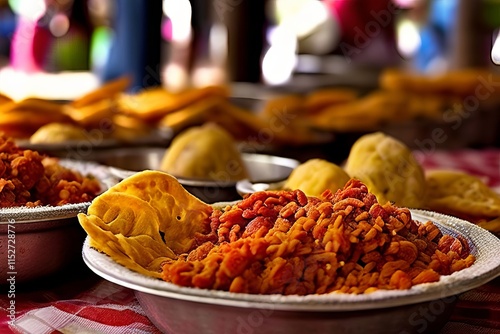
[(81, 302)]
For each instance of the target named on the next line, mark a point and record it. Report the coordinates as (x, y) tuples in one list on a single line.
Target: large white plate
[(484, 246)]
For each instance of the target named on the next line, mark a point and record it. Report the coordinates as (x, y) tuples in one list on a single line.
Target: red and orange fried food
[(280, 242), (286, 243), (28, 178)]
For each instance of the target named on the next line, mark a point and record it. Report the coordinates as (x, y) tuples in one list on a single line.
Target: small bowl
[(39, 241), (262, 168), (424, 308)]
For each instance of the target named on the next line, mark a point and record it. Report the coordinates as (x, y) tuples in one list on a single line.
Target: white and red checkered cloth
[(94, 305)]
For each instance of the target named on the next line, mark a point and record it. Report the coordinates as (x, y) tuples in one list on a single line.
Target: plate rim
[(449, 285)]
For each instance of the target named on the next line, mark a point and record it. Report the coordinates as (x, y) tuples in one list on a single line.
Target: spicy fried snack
[(28, 178), (316, 175), (108, 90), (146, 219), (388, 169), (287, 243), (4, 99), (461, 194), (21, 119), (155, 103)]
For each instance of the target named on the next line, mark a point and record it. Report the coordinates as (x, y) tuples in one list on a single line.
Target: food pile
[(28, 178), (391, 172), (270, 242)]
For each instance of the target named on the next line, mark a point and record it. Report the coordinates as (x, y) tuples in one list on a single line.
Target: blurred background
[(260, 49)]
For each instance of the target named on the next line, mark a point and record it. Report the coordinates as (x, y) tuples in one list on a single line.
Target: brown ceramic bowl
[(36, 242), (424, 308)]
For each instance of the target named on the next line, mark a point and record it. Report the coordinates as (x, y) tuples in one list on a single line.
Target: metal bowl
[(422, 309), (261, 168), (36, 242)]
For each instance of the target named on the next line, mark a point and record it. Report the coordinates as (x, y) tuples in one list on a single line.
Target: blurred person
[(367, 29), (136, 44), (7, 27)]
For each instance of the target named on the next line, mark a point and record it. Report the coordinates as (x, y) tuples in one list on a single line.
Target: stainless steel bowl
[(39, 241), (32, 249), (261, 168), (422, 309)]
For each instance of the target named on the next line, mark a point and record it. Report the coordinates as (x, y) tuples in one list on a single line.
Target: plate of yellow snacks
[(283, 261)]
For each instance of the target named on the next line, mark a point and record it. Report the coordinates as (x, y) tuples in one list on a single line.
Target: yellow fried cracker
[(153, 104), (91, 114), (182, 214), (4, 99), (322, 98), (459, 192), (108, 90), (127, 229), (145, 220)]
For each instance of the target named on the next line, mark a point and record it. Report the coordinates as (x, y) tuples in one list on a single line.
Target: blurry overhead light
[(281, 58), (179, 12), (175, 77), (408, 3), (408, 37), (59, 25), (312, 14), (30, 9), (495, 50), (288, 8), (218, 43)]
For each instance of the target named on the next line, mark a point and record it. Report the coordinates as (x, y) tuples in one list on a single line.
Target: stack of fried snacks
[(21, 119), (463, 82), (402, 96), (465, 196), (153, 104), (4, 99), (90, 109)]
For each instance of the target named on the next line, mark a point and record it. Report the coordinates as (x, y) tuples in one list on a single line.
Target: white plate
[(484, 246)]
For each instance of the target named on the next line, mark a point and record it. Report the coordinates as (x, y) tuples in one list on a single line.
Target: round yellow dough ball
[(315, 176), (205, 152), (53, 133), (389, 170)]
